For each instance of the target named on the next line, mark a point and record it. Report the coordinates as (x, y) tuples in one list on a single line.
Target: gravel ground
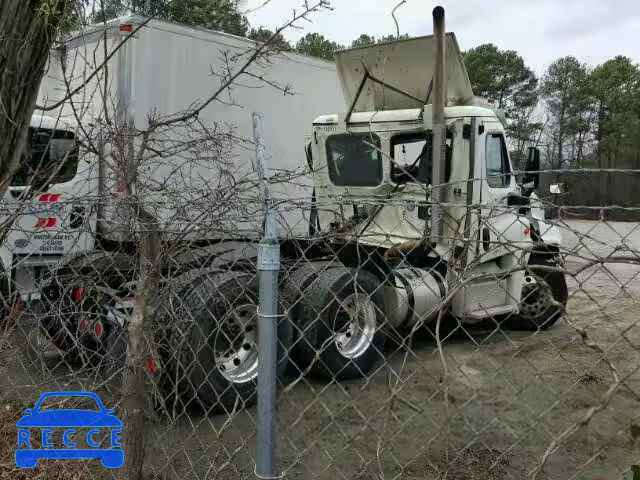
[(509, 396)]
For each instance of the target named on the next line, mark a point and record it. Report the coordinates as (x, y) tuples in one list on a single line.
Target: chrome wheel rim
[(357, 334), (537, 297), (237, 339)]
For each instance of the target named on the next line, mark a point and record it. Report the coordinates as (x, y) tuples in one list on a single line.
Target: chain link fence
[(382, 370), (240, 321)]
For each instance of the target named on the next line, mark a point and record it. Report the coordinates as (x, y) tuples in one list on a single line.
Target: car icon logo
[(69, 433)]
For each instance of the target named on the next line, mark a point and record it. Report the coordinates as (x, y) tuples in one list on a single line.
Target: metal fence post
[(268, 270)]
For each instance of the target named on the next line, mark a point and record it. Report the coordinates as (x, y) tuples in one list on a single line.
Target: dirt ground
[(509, 395)]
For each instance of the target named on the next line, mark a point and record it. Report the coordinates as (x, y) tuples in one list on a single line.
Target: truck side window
[(354, 160), (412, 157), (50, 157), (497, 160)]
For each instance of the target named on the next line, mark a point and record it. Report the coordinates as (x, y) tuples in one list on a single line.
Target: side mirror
[(532, 168), (558, 188), (308, 155)]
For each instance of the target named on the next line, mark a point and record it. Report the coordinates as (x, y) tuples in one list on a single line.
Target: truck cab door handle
[(486, 237)]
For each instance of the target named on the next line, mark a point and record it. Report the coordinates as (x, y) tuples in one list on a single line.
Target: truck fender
[(220, 255), (6, 294), (549, 234), (6, 262)]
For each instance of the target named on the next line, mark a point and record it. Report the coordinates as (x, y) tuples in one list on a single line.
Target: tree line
[(579, 116)]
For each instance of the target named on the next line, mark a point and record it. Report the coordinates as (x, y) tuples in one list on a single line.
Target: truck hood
[(406, 65)]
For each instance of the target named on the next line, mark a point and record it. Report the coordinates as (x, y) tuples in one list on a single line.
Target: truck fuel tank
[(415, 296)]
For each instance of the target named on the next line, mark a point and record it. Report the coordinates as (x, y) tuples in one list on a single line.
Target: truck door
[(502, 230)]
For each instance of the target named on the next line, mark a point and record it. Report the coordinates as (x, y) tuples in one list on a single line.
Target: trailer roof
[(40, 120), (227, 39)]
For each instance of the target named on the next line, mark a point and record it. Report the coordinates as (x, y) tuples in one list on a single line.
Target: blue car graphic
[(68, 419)]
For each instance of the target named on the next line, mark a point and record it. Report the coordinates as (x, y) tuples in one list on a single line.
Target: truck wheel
[(213, 344), (544, 297), (74, 300), (115, 354), (73, 320), (7, 301), (295, 288), (341, 320)]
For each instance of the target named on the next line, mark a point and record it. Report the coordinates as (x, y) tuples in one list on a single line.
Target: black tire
[(322, 317), (544, 296), (74, 301), (115, 354), (195, 331), (294, 289), (35, 345), (7, 301)]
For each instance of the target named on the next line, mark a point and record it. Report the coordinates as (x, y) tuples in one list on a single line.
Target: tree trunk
[(139, 339), (26, 35), (599, 131)]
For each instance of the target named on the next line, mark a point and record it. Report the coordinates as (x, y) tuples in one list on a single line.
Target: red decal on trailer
[(49, 197), (46, 222)]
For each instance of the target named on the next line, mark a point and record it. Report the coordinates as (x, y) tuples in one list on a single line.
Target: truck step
[(479, 315)]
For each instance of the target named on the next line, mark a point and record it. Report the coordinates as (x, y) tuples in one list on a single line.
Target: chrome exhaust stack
[(438, 127)]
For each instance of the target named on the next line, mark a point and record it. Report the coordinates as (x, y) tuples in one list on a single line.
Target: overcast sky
[(541, 30)]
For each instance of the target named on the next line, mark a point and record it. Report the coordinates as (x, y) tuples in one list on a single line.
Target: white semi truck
[(414, 209)]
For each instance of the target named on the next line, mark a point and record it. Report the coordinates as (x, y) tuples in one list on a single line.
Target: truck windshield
[(51, 156), (354, 160)]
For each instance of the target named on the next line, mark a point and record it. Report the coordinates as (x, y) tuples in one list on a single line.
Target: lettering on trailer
[(52, 243)]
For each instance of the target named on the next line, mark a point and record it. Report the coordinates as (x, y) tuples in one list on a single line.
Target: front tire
[(544, 296)]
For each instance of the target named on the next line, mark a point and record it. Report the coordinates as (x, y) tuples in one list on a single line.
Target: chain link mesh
[(371, 384), (509, 350)]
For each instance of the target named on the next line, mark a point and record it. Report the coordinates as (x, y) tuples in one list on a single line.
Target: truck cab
[(372, 171), (49, 203)]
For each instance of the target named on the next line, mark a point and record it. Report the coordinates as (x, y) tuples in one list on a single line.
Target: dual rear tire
[(339, 315), (208, 344)]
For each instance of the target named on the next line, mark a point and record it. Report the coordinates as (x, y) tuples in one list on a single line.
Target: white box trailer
[(160, 70)]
